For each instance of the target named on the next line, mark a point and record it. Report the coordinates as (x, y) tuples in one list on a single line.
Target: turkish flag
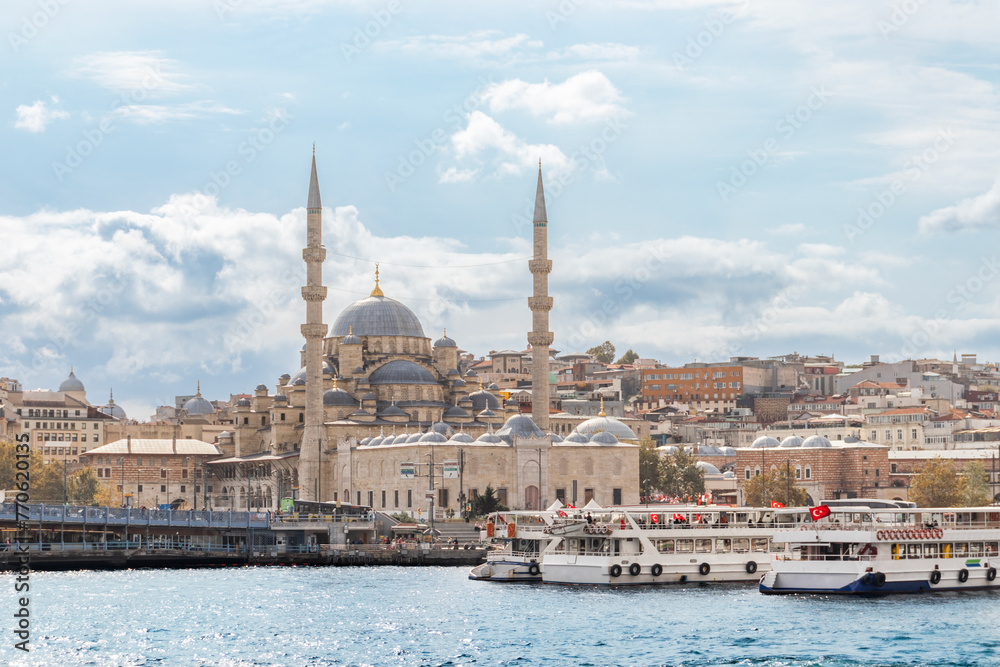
[(654, 518), (775, 503), (561, 513), (819, 512)]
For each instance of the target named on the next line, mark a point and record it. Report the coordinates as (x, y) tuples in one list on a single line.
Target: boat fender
[(751, 567), (940, 533), (866, 580), (991, 574), (634, 569), (704, 569), (533, 569), (936, 576), (878, 579), (878, 536), (606, 529), (588, 529), (656, 570), (615, 570), (963, 575)]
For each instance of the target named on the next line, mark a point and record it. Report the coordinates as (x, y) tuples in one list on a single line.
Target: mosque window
[(409, 497)]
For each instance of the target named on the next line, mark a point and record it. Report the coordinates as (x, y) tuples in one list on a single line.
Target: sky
[(722, 178)]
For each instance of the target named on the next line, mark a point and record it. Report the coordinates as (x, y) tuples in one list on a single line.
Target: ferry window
[(665, 546), (930, 551), (991, 549), (703, 546), (685, 546), (741, 544), (723, 545), (976, 550), (777, 547), (913, 551), (961, 549)]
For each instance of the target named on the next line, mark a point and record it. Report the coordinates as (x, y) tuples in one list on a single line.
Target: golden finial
[(350, 330), (601, 413), (112, 399), (377, 291), (445, 331), (199, 388), (335, 381), (71, 369)]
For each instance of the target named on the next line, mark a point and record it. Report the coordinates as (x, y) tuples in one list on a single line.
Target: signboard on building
[(450, 469), (407, 470)]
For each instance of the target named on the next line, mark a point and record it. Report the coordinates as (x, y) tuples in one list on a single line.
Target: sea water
[(437, 616)]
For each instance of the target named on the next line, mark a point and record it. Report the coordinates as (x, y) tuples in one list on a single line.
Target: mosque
[(379, 415)]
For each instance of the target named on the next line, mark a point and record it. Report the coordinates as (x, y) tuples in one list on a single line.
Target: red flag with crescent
[(819, 512), (775, 503)]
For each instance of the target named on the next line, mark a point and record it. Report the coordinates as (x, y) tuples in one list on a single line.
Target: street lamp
[(121, 464), (65, 479)]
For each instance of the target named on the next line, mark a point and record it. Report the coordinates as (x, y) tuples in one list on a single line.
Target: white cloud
[(485, 142), (145, 114), (971, 214), (587, 96), (597, 51), (37, 116), (127, 72), (475, 46), (789, 229)]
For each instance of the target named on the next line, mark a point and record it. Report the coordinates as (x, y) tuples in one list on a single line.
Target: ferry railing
[(132, 516)]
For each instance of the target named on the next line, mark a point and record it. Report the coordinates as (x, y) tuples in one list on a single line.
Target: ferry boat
[(627, 546), (865, 551), (518, 539)]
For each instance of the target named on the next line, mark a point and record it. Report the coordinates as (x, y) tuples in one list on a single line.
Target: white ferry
[(864, 551), (663, 544), (518, 540)]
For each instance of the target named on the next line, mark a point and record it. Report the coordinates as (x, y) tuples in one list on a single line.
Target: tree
[(680, 476), (45, 480), (604, 352), (83, 487), (487, 502), (774, 485), (936, 485), (649, 467), (975, 485), (628, 357)]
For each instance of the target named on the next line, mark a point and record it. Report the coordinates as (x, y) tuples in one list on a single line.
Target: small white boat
[(863, 551), (518, 540)]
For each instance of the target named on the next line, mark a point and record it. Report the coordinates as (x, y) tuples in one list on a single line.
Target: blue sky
[(724, 178)]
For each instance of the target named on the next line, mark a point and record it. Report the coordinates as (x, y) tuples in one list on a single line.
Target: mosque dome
[(603, 423), (522, 427), (71, 383), (393, 411), (792, 441), (242, 403), (350, 338), (280, 397), (337, 396), (414, 437), (455, 412), (493, 387), (442, 428), (576, 438), (433, 436), (261, 387), (301, 375), (765, 441), (816, 441), (484, 400), (377, 315), (400, 371), (198, 405), (471, 374), (112, 409), (604, 438), (390, 439), (707, 468), (444, 341), (489, 438), (461, 438)]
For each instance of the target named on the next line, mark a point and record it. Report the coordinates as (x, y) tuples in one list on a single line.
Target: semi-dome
[(483, 400), (71, 383), (400, 371), (707, 468), (338, 396), (377, 316), (521, 426), (603, 423), (816, 441), (765, 441), (604, 438), (792, 441)]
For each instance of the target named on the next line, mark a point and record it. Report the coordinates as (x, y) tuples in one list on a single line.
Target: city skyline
[(721, 179)]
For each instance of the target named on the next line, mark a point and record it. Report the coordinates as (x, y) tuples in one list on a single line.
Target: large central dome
[(377, 316)]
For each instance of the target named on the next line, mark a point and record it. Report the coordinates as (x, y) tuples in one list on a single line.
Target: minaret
[(540, 303), (313, 330)]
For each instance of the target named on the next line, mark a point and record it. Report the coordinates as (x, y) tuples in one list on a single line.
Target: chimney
[(174, 440), (128, 441)]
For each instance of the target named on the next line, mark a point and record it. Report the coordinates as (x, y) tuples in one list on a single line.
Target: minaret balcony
[(313, 330), (540, 302), (540, 338), (314, 254), (540, 265), (314, 293)]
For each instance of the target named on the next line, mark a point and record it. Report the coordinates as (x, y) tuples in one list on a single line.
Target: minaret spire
[(540, 338), (378, 290), (314, 293)]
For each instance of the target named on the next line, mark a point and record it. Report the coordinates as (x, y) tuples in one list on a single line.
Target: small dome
[(414, 437), (444, 341), (486, 414), (453, 372), (471, 374), (576, 438), (299, 382), (493, 387), (459, 383), (604, 423), (728, 451), (368, 397), (365, 441), (489, 438), (555, 438), (360, 413), (482, 399), (816, 441), (71, 383), (455, 412), (709, 450), (765, 441), (393, 411), (390, 439), (707, 468), (114, 410), (338, 397), (461, 438), (350, 339), (225, 434), (433, 436), (278, 398), (199, 406), (442, 428), (729, 474), (301, 375), (376, 441), (792, 441), (604, 438), (261, 387), (285, 377), (401, 371), (242, 403), (522, 427)]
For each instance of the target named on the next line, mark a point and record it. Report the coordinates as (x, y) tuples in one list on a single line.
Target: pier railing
[(132, 516)]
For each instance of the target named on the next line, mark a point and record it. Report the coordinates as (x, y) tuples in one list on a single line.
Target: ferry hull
[(598, 572), (507, 571), (807, 580)]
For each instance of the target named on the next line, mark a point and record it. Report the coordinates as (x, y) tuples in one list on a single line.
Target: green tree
[(649, 467), (628, 357), (487, 502), (106, 495), (604, 352), (936, 485), (975, 485), (45, 480), (773, 485), (83, 486), (680, 476)]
